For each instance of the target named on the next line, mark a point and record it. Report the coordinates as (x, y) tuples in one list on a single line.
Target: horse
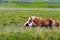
[(40, 22)]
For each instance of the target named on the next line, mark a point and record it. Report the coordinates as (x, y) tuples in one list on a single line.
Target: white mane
[(32, 17)]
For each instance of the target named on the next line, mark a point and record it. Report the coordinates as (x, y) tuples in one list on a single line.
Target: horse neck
[(38, 20)]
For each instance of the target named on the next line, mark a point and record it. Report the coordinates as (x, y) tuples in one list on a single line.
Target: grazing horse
[(39, 22)]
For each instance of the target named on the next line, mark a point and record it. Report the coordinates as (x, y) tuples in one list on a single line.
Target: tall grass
[(13, 17), (34, 34), (10, 31)]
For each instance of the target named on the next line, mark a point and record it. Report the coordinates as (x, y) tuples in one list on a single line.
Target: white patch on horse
[(30, 24), (33, 17)]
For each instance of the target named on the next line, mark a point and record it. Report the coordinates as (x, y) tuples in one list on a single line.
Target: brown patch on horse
[(51, 22), (44, 22), (57, 24), (38, 21)]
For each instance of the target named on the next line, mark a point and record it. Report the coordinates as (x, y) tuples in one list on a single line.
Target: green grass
[(9, 19), (34, 34), (30, 5)]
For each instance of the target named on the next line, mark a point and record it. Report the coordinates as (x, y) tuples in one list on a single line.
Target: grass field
[(9, 19), (30, 5), (27, 34)]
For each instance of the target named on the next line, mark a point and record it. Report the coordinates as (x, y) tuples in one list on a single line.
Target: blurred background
[(49, 1), (30, 3)]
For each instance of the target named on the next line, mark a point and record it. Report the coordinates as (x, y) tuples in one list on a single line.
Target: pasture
[(29, 5), (9, 19)]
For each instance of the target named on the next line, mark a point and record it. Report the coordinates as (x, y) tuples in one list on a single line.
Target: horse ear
[(30, 17)]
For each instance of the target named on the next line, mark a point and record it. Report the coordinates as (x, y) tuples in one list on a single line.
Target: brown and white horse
[(39, 22)]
